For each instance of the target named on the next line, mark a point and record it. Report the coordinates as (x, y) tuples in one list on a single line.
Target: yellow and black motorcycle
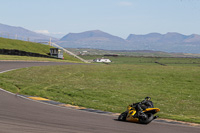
[(131, 115)]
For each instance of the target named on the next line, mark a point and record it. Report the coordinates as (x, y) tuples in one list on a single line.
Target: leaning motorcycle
[(146, 117)]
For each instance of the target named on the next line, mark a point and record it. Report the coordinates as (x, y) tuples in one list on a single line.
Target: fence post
[(49, 41), (16, 36)]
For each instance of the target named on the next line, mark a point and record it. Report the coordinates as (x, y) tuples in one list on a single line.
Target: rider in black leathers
[(146, 103)]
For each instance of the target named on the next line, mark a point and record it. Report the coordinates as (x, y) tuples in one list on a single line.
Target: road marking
[(39, 98)]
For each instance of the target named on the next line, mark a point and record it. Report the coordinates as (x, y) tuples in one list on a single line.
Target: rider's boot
[(155, 117)]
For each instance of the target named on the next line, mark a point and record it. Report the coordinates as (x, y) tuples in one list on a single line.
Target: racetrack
[(20, 115)]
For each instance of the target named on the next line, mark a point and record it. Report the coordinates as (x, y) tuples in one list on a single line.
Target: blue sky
[(116, 17)]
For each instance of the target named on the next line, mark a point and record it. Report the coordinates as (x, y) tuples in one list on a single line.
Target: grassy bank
[(28, 58), (28, 47), (174, 89)]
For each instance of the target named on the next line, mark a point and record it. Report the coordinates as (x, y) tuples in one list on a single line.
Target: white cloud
[(47, 32), (57, 33), (53, 34), (125, 3), (43, 31)]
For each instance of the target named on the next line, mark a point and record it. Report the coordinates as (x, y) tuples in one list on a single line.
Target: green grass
[(148, 60), (174, 89), (29, 47), (87, 51)]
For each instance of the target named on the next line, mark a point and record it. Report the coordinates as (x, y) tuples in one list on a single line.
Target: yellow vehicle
[(130, 115)]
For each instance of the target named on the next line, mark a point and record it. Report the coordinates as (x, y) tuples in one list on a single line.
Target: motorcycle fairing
[(132, 112), (152, 110)]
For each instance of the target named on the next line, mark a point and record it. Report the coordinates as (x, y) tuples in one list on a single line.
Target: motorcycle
[(146, 117)]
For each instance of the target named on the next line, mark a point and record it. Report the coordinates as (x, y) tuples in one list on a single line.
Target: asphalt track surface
[(20, 115)]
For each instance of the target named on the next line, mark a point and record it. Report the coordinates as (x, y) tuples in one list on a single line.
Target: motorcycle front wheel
[(122, 116)]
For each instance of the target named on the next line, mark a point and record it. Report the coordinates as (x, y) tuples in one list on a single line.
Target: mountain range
[(21, 33), (169, 42), (96, 39)]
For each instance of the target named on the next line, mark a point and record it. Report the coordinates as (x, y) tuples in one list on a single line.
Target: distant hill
[(157, 38), (92, 39), (20, 33), (170, 42), (90, 36)]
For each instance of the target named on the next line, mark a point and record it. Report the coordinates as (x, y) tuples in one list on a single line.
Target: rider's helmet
[(147, 98)]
